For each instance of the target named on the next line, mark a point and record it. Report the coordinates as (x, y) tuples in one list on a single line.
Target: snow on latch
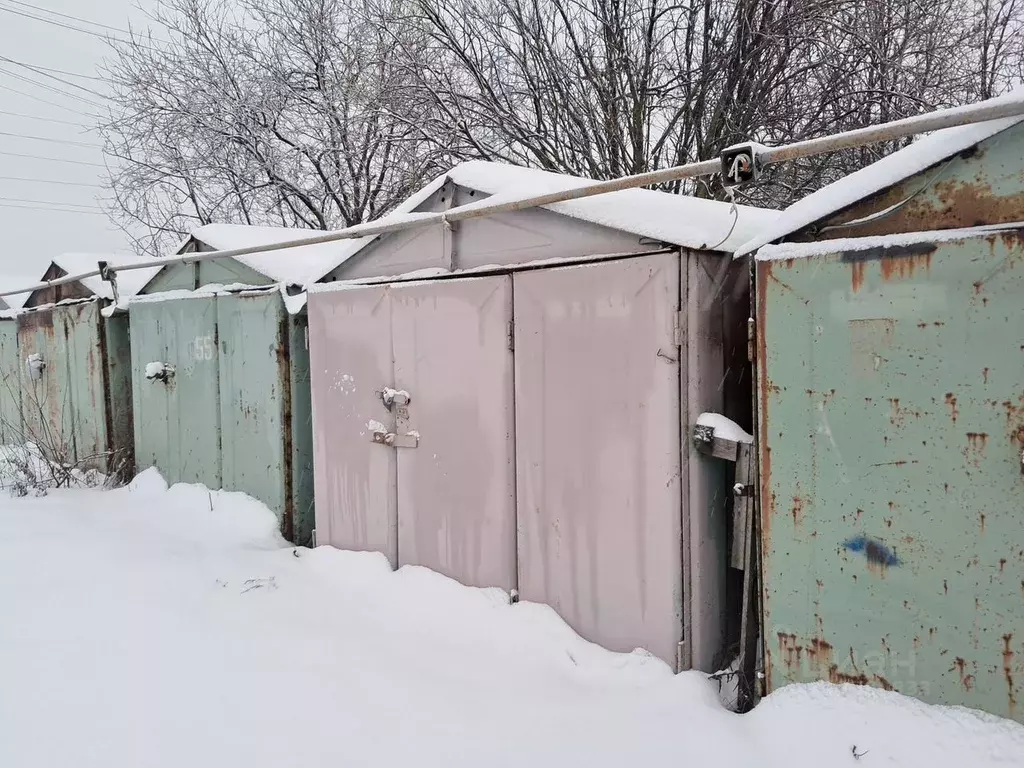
[(159, 371), (725, 429)]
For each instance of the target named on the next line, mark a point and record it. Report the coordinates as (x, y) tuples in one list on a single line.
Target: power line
[(50, 202), (52, 141), (70, 74), (51, 103), (50, 209), (50, 88), (44, 119), (56, 23), (39, 9), (53, 159), (51, 181), (39, 71)]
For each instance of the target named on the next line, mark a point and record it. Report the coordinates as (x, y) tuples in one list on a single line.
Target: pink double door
[(519, 431)]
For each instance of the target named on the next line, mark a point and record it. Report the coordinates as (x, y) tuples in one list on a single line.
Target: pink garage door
[(350, 364), (597, 449), (441, 493), (456, 489)]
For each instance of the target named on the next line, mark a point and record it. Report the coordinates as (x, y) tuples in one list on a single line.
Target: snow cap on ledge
[(785, 251), (890, 170)]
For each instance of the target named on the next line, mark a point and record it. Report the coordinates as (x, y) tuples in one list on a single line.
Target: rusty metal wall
[(891, 410), (979, 186), (456, 488), (71, 408), (597, 396), (11, 430)]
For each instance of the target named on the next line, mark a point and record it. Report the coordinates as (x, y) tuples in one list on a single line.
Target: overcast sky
[(31, 236)]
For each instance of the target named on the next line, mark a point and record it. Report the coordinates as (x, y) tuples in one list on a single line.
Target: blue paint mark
[(875, 551)]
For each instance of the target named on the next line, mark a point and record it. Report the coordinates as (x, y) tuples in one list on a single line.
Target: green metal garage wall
[(235, 412), (891, 400)]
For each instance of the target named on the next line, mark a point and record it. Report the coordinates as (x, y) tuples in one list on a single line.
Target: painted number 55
[(202, 348)]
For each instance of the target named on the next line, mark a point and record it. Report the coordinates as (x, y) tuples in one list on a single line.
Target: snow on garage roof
[(890, 170), (689, 222), (291, 265), (301, 265), (129, 282)]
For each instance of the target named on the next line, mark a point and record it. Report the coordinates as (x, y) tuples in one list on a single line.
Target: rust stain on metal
[(904, 266), (1002, 564), (951, 402), (1008, 670), (797, 509), (984, 374), (789, 650), (857, 275), (981, 517), (883, 682), (945, 587)]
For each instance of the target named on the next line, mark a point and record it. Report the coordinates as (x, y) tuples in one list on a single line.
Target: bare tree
[(286, 112), (606, 87)]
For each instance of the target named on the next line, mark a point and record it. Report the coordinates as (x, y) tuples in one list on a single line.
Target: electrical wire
[(50, 209), (52, 141), (50, 88), (56, 23), (52, 159), (70, 74), (50, 202), (50, 181), (40, 9), (102, 36), (45, 119), (39, 71), (51, 103)]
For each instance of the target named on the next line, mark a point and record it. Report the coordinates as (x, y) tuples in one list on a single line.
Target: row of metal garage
[(510, 401)]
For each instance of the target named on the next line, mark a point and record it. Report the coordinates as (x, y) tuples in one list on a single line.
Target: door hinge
[(678, 328), (511, 336)]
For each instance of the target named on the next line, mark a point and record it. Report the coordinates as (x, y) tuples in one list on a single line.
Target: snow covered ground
[(150, 627)]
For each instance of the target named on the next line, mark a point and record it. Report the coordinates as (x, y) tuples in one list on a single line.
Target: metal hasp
[(75, 386), (891, 425), (222, 397)]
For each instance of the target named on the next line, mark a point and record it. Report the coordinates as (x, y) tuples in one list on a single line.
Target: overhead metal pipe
[(994, 109)]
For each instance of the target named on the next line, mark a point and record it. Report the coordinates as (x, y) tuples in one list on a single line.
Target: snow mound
[(166, 626)]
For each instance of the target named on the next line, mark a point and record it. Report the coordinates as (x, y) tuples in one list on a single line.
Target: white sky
[(32, 236)]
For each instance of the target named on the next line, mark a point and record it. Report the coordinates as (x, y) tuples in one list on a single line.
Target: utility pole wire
[(40, 71), (931, 121), (51, 103), (52, 159), (40, 9), (52, 141)]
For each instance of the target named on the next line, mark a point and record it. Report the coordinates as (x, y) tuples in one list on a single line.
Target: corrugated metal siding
[(891, 434)]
